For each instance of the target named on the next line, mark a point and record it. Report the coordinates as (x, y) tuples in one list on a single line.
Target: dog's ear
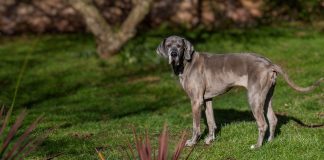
[(160, 50), (188, 50)]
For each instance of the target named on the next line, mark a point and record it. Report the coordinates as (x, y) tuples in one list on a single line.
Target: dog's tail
[(279, 70)]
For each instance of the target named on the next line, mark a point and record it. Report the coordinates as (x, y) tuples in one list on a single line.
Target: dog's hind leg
[(258, 113), (257, 94), (272, 119)]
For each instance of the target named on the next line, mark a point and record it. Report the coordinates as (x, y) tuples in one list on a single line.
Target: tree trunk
[(109, 42)]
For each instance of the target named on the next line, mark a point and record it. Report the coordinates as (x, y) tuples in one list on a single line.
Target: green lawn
[(93, 103)]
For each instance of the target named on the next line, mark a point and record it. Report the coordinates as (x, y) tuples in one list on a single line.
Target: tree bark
[(109, 42)]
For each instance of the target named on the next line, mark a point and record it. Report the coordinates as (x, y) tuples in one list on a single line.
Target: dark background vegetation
[(21, 16)]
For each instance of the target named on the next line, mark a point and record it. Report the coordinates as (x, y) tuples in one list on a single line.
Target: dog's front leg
[(196, 114), (210, 121)]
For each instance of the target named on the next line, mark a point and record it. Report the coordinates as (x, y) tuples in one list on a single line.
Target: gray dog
[(204, 76)]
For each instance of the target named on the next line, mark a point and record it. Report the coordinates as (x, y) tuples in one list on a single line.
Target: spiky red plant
[(12, 147), (145, 151)]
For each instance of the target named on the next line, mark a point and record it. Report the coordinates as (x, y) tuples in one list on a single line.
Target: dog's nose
[(173, 54)]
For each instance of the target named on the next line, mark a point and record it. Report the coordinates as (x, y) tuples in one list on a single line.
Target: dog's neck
[(179, 69)]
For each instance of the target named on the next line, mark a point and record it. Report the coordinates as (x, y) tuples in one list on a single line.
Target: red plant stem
[(12, 131)]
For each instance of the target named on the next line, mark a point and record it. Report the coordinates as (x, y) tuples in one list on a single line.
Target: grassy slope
[(93, 103)]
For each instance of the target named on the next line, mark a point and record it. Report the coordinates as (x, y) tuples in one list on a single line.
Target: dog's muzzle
[(174, 54), (174, 57)]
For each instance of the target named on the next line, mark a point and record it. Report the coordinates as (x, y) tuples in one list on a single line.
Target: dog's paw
[(190, 143), (209, 139), (254, 147), (270, 139)]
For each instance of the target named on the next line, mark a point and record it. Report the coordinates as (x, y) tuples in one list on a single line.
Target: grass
[(93, 103)]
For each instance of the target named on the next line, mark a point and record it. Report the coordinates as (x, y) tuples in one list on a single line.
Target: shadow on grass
[(228, 116)]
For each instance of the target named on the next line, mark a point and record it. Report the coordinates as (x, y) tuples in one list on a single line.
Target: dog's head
[(176, 49)]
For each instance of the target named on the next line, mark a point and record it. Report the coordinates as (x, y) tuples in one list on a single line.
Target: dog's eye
[(178, 45), (168, 45)]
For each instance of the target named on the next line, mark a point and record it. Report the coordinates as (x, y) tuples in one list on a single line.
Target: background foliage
[(18, 16)]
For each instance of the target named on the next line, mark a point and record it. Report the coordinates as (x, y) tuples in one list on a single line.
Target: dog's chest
[(181, 79)]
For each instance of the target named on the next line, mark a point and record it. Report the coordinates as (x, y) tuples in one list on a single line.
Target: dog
[(204, 76)]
